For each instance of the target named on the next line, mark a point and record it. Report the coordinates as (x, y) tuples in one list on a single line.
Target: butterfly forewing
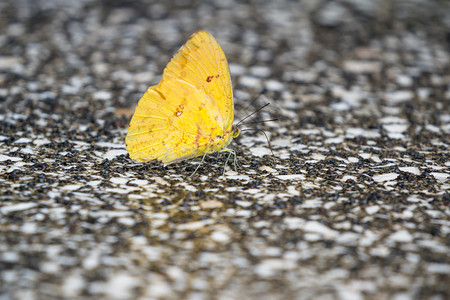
[(202, 63)]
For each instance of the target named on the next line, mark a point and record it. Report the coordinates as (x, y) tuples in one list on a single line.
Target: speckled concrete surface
[(354, 206)]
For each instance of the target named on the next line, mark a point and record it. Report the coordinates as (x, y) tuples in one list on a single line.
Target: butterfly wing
[(178, 118), (202, 63), (173, 124)]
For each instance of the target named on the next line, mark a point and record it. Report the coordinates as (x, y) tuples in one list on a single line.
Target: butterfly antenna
[(258, 122), (268, 103), (267, 138)]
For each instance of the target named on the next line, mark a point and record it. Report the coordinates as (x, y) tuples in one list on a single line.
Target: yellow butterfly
[(190, 112)]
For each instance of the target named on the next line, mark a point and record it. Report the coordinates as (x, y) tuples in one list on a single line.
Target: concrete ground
[(354, 205)]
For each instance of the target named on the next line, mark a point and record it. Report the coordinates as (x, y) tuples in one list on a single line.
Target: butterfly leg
[(235, 162), (203, 158), (228, 158)]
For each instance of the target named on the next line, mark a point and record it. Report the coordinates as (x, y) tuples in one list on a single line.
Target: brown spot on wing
[(197, 137), (179, 110)]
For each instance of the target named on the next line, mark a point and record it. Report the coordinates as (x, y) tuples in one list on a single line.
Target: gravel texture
[(355, 204)]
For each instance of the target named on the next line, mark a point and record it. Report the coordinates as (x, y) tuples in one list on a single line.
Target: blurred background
[(115, 49)]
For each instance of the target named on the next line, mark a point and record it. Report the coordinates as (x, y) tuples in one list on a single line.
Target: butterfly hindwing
[(172, 125)]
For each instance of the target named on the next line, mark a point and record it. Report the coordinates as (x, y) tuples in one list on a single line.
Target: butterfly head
[(235, 131), (223, 138)]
